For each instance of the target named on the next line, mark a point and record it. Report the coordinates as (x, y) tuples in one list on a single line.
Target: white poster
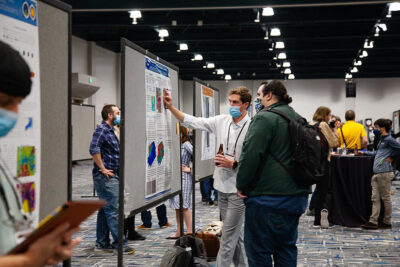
[(20, 149), (158, 130), (207, 111)]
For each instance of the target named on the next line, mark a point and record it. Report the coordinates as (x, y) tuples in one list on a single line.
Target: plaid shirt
[(105, 142)]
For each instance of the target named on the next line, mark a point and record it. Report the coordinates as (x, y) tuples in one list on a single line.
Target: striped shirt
[(105, 142)]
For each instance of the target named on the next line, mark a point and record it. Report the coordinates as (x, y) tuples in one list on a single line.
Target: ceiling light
[(368, 44), (389, 14), (183, 47), (163, 33), (287, 71), (228, 77), (291, 77), (270, 49), (348, 76), (357, 63), (268, 11), (199, 23), (278, 65), (376, 32), (205, 66), (395, 6), (280, 45), (282, 55), (286, 64), (275, 58), (135, 14), (198, 57), (382, 26), (257, 19), (354, 69), (363, 54), (238, 74), (174, 23), (266, 35), (275, 32), (220, 71), (254, 74), (210, 65)]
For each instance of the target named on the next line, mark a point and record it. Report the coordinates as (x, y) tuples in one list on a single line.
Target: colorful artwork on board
[(27, 192), (153, 103), (152, 154), (26, 161), (160, 154), (159, 100)]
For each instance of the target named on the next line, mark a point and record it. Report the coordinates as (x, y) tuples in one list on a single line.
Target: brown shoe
[(385, 226), (369, 225)]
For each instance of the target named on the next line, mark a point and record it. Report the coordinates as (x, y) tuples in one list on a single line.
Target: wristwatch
[(235, 164)]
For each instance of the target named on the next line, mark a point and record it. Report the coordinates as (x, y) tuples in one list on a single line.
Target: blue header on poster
[(23, 10), (156, 67)]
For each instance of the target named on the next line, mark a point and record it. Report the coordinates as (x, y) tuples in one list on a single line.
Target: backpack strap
[(267, 152), (344, 140)]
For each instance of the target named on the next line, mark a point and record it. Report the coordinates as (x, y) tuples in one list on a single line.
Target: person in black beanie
[(56, 246)]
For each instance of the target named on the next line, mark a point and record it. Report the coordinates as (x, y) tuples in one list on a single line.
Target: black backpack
[(306, 148)]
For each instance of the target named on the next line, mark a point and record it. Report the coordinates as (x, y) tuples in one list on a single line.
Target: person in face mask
[(229, 130), (56, 246)]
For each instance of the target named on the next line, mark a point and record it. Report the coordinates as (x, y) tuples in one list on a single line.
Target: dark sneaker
[(210, 203), (127, 250), (369, 225), (324, 219), (107, 249), (133, 236), (385, 226)]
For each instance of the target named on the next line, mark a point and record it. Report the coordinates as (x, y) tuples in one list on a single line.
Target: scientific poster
[(207, 110), (20, 149), (158, 130)]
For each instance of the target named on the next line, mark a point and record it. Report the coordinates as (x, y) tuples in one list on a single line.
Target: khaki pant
[(381, 183)]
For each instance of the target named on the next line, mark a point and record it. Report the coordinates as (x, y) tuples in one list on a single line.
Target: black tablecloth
[(351, 190)]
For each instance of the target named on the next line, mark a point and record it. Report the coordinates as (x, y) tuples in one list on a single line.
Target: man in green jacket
[(274, 202)]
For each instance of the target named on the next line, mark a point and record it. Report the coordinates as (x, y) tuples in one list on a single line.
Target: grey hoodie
[(387, 147)]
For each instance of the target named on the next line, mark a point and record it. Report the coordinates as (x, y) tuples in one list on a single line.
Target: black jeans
[(323, 195)]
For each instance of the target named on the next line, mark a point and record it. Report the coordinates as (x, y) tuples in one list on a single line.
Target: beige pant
[(381, 183)]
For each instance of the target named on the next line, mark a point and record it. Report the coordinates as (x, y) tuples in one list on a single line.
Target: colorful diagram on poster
[(26, 161), (153, 103), (152, 154), (27, 192), (160, 154), (158, 99)]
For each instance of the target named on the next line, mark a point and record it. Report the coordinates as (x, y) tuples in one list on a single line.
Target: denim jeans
[(161, 215), (269, 233), (107, 217), (208, 185)]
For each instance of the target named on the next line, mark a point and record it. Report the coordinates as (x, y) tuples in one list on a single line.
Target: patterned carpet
[(339, 246)]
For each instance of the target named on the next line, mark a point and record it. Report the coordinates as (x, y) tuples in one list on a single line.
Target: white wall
[(104, 65), (376, 98)]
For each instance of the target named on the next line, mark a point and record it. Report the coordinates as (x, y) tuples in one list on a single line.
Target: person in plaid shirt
[(104, 149)]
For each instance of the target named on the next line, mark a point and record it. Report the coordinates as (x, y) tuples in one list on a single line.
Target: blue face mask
[(376, 131), (117, 120), (235, 111), (258, 106), (8, 119)]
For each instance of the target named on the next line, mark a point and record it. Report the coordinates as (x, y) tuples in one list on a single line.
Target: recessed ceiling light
[(174, 23), (228, 77), (183, 46), (280, 45), (395, 6), (198, 57), (286, 64), (291, 77), (162, 34), (354, 69), (282, 55), (275, 32), (210, 65), (348, 76), (357, 62), (199, 23), (287, 71), (268, 11), (220, 71), (135, 14)]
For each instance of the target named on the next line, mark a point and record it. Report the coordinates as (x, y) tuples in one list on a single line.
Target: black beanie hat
[(15, 76)]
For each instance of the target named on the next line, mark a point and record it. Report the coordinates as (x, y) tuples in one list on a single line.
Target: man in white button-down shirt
[(229, 130)]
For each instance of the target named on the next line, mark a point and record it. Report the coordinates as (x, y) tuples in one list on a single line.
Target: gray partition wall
[(54, 49), (133, 130), (83, 125), (202, 168)]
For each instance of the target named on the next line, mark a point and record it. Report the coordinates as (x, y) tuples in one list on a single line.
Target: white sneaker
[(324, 219)]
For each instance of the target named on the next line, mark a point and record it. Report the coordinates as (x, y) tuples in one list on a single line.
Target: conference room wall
[(376, 97), (91, 59)]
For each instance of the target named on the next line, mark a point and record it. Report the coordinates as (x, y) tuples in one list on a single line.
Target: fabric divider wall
[(83, 125), (54, 47)]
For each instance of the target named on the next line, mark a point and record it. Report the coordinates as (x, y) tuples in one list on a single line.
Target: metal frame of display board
[(196, 80), (121, 217)]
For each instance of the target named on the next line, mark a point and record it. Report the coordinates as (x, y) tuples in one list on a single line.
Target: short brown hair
[(350, 115), (107, 109), (321, 113), (243, 92), (384, 123)]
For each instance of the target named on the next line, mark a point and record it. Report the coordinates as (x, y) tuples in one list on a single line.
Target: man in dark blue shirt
[(104, 149)]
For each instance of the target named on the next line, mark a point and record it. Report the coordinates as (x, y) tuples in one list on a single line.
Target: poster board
[(396, 121), (83, 125), (150, 144), (206, 104)]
